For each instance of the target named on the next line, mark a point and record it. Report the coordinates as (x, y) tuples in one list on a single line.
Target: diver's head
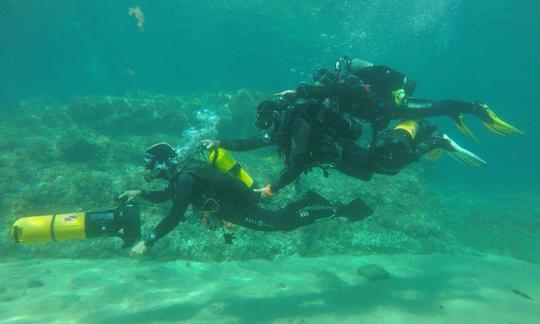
[(159, 160), (270, 114), (358, 64), (409, 86)]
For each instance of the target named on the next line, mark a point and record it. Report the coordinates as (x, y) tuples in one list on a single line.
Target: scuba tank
[(223, 161), (123, 222)]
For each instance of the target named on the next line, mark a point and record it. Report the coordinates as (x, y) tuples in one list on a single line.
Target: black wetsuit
[(200, 183), (367, 95), (307, 142)]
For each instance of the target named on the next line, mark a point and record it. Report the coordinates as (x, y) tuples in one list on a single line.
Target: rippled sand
[(427, 289)]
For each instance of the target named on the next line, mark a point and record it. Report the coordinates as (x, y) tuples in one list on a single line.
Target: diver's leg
[(422, 108), (396, 148), (287, 219), (354, 161), (280, 220), (418, 108), (428, 140)]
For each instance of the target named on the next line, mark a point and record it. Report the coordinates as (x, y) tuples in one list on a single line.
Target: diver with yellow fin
[(123, 222), (379, 94), (223, 192), (309, 135)]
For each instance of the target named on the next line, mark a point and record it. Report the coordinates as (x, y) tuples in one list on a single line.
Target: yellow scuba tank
[(411, 127), (123, 222), (223, 161), (408, 125)]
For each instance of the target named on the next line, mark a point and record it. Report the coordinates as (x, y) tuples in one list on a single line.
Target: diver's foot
[(355, 211), (458, 153), (494, 123)]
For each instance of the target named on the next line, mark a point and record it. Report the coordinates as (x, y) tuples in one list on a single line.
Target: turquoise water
[(454, 49), (62, 61)]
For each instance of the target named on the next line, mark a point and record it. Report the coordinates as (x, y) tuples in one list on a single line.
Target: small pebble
[(373, 272), (34, 283), (7, 299)]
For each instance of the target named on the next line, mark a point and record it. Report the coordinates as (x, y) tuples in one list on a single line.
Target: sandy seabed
[(420, 289)]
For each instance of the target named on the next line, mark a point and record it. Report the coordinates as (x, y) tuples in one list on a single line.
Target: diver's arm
[(291, 173), (187, 189), (245, 144), (175, 215), (298, 157), (157, 197)]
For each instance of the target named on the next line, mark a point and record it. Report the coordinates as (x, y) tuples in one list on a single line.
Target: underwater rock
[(329, 280), (75, 154), (7, 299), (3, 290), (78, 150), (373, 272), (35, 283)]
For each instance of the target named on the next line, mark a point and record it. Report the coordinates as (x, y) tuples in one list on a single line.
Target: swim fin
[(460, 154), (495, 124), (355, 211), (463, 127)]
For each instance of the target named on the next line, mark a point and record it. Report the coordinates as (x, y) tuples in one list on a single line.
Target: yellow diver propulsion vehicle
[(123, 222), (223, 161)]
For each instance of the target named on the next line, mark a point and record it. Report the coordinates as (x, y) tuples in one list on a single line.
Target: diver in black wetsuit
[(309, 135), (225, 198), (378, 94)]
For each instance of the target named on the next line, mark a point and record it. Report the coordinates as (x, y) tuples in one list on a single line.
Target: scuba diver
[(378, 94), (223, 191), (308, 135)]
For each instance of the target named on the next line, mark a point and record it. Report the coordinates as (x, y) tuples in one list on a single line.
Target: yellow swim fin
[(463, 127), (434, 154), (497, 125)]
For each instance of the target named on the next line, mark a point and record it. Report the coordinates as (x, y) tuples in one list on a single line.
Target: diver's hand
[(130, 195), (138, 250), (287, 93), (210, 144), (265, 192)]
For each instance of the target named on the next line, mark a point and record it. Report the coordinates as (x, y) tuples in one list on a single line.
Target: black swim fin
[(355, 211)]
